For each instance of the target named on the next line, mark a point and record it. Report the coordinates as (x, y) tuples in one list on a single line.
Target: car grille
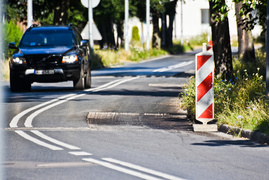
[(43, 60)]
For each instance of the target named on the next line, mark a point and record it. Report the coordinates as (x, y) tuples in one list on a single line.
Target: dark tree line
[(111, 12)]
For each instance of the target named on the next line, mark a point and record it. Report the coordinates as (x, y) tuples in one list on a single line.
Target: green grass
[(136, 53), (4, 70)]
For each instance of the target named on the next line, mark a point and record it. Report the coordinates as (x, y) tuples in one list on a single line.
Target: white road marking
[(36, 141), (58, 101), (15, 120), (80, 153), (48, 105), (140, 168), (121, 169), (38, 133), (174, 66)]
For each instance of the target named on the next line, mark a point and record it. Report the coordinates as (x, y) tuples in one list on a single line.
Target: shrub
[(198, 40), (135, 34), (240, 103), (12, 33)]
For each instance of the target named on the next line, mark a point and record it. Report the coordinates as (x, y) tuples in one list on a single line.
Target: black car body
[(50, 54)]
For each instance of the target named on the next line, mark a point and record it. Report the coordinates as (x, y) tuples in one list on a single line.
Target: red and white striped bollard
[(204, 86)]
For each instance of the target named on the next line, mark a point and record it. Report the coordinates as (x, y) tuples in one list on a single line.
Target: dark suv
[(50, 54)]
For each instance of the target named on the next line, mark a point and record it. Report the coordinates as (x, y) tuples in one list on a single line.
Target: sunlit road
[(127, 126)]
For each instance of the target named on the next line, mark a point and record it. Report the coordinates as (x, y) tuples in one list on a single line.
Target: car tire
[(18, 84), (15, 82), (27, 86), (80, 83), (88, 81)]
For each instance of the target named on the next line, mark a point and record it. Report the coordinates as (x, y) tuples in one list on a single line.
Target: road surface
[(127, 126)]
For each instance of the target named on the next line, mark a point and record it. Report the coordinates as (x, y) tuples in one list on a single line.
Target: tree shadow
[(241, 143)]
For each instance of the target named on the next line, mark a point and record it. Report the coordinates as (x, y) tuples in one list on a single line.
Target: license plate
[(44, 72)]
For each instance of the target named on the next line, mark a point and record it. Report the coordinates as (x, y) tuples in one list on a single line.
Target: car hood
[(45, 50)]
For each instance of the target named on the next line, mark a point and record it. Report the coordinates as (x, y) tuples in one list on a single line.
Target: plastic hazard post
[(204, 82)]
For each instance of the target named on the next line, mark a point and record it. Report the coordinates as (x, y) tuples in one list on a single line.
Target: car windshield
[(48, 38)]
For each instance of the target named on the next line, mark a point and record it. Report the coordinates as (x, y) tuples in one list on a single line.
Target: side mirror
[(12, 45), (84, 43)]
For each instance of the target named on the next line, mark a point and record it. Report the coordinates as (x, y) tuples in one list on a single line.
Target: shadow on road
[(241, 143)]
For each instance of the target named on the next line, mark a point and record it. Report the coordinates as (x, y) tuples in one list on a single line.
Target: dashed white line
[(121, 169), (174, 66), (80, 153), (140, 168), (60, 143), (36, 141)]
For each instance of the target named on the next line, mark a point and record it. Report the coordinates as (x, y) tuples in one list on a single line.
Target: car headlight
[(19, 60), (70, 59)]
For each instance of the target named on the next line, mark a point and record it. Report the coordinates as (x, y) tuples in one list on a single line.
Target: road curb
[(252, 135)]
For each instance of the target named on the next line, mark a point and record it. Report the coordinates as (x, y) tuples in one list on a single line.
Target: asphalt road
[(127, 126)]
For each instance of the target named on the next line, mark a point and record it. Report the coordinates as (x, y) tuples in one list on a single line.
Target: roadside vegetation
[(240, 102)]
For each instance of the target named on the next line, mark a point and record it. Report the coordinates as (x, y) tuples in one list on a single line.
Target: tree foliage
[(254, 12), (48, 12)]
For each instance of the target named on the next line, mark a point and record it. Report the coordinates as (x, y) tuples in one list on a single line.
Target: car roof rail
[(70, 25), (33, 25)]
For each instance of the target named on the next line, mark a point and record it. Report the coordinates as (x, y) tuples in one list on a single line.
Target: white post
[(90, 14), (126, 29), (29, 13), (181, 25), (147, 19)]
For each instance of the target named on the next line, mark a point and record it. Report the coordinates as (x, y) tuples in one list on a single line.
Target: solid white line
[(38, 133), (120, 169), (36, 141), (58, 101), (28, 122), (173, 66), (15, 120), (80, 153), (103, 86), (116, 84), (140, 168)]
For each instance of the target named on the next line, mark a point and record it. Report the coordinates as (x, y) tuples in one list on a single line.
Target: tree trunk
[(171, 12), (155, 38), (111, 34), (120, 34), (164, 30), (61, 12), (169, 34), (221, 45), (245, 40)]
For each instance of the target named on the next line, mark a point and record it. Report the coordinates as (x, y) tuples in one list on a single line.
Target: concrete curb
[(252, 135)]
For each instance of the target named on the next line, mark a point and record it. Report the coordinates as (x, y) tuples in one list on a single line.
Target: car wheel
[(88, 81), (27, 86), (15, 82), (80, 83)]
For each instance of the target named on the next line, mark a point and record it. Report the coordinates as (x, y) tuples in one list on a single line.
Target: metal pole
[(267, 52), (181, 24), (90, 23), (29, 13), (126, 25), (147, 19)]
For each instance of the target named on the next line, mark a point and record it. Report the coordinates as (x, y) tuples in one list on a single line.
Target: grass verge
[(241, 103)]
